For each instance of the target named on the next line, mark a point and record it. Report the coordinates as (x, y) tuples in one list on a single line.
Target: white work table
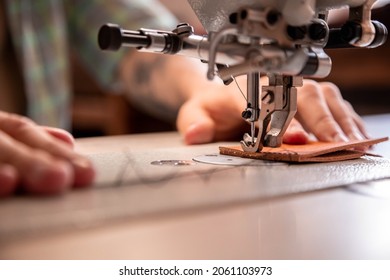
[(259, 210)]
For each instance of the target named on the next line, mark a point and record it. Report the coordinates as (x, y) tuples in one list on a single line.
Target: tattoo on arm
[(146, 90)]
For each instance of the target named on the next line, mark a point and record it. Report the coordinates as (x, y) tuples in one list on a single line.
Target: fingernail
[(8, 178), (197, 134), (367, 135), (81, 163), (355, 136), (38, 173), (7, 170), (49, 179), (340, 138), (84, 172)]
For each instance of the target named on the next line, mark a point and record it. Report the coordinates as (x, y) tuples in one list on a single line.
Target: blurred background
[(363, 75)]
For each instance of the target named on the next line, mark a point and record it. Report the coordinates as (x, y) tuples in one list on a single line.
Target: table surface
[(200, 211)]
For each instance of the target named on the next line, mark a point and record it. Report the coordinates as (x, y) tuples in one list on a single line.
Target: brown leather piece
[(311, 152)]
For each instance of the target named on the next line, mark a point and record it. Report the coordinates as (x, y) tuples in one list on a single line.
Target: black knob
[(351, 32), (318, 31), (296, 32), (110, 37)]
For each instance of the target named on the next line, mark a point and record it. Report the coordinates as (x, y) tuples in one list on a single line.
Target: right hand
[(39, 160), (214, 114)]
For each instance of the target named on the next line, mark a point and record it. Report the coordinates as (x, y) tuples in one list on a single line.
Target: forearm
[(160, 84)]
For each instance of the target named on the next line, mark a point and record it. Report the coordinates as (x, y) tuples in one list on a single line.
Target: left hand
[(323, 112), (39, 160)]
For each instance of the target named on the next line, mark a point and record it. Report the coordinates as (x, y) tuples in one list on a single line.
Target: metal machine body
[(283, 39)]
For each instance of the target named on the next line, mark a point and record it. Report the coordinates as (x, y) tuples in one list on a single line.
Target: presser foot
[(278, 107), (252, 144)]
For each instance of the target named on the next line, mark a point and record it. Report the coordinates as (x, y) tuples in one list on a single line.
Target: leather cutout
[(311, 152)]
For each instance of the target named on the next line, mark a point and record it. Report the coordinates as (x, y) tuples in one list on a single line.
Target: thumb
[(195, 124)]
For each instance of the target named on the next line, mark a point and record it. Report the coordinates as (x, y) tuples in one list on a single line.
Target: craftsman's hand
[(323, 112), (38, 160), (215, 114)]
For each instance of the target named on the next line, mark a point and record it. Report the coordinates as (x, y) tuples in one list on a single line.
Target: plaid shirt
[(44, 31)]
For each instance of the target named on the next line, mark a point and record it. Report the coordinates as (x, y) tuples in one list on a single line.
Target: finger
[(25, 131), (295, 134), (340, 111), (8, 179), (361, 126), (315, 116), (60, 134), (358, 120), (38, 172), (194, 123)]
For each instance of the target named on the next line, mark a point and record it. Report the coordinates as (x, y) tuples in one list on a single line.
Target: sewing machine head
[(283, 39)]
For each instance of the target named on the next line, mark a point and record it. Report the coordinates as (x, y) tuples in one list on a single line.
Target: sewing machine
[(284, 40)]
